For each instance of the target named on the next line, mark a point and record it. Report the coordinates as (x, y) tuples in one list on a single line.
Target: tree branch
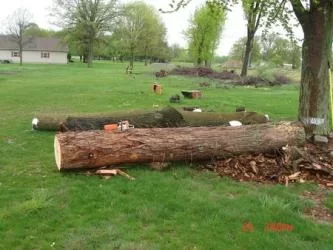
[(299, 10), (180, 4), (278, 10)]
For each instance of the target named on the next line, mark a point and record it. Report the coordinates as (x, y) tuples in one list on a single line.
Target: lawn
[(179, 208)]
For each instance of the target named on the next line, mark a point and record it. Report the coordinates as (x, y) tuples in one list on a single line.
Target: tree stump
[(192, 94)]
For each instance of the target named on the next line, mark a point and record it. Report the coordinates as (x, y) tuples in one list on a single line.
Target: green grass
[(180, 208)]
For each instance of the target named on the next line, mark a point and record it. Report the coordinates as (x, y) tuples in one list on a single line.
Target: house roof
[(34, 44)]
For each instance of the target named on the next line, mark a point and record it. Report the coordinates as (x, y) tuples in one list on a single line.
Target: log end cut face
[(35, 122), (57, 151)]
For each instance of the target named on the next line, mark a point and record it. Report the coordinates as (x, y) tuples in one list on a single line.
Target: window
[(45, 55), (15, 54)]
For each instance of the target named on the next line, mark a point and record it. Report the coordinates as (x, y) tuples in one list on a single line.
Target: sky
[(176, 23)]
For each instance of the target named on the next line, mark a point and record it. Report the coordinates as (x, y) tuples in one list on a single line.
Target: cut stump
[(192, 94)]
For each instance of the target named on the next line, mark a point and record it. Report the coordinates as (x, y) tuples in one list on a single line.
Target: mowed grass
[(179, 208)]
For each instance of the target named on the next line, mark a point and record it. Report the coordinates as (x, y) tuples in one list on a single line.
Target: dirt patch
[(319, 211)]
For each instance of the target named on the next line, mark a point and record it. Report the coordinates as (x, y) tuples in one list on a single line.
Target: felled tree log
[(194, 119), (167, 117), (93, 149), (48, 123)]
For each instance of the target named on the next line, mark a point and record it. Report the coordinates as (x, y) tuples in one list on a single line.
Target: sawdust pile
[(290, 164)]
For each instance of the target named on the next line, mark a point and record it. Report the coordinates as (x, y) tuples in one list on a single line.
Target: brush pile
[(232, 77)]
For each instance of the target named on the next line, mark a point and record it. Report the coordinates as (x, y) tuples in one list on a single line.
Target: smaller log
[(48, 123), (157, 88), (219, 119), (240, 109), (167, 117), (192, 94)]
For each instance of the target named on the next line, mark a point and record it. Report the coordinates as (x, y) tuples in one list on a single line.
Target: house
[(35, 50)]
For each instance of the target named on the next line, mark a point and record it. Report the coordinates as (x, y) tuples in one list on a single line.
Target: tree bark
[(194, 119), (132, 57), (21, 54), (317, 26), (21, 46), (247, 54), (167, 117), (96, 149), (146, 56), (90, 54)]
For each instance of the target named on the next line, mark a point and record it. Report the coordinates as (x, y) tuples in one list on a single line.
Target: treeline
[(135, 31), (270, 48)]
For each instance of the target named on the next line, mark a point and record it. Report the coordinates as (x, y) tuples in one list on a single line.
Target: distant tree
[(255, 11), (161, 53), (175, 50), (238, 50), (180, 54), (130, 27), (267, 42), (18, 23), (204, 33), (87, 21), (34, 30), (153, 38), (220, 59), (115, 47), (141, 31), (282, 50)]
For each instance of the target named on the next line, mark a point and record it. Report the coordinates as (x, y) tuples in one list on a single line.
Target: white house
[(35, 50)]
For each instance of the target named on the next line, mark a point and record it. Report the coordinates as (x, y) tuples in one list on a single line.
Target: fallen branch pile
[(204, 72), (289, 164), (234, 78)]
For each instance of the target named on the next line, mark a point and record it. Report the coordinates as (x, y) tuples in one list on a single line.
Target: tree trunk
[(90, 54), (207, 64), (95, 149), (167, 117), (21, 55), (199, 61), (247, 54), (132, 58), (146, 58), (316, 54)]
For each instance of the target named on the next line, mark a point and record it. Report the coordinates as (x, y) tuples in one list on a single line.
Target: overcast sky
[(176, 23)]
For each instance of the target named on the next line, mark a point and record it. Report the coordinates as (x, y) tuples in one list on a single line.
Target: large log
[(93, 149), (167, 117)]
